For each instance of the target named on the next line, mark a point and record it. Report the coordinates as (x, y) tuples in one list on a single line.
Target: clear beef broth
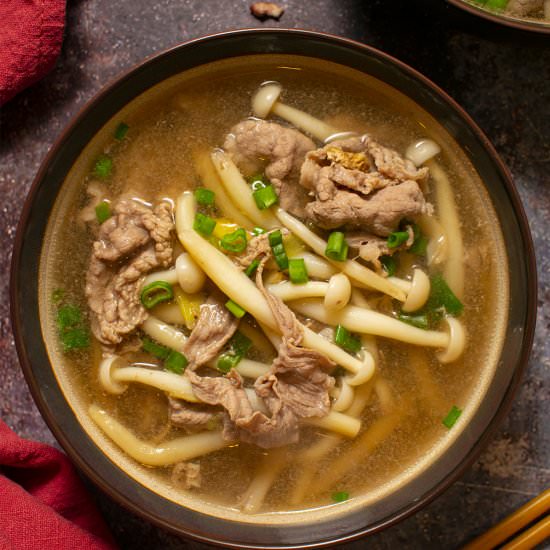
[(193, 113)]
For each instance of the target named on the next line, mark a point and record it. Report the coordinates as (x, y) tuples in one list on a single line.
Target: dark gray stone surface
[(500, 77)]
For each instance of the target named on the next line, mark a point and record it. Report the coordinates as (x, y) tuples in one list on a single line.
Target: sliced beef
[(524, 7), (192, 417), (257, 144), (187, 475), (296, 386), (133, 241), (359, 183), (215, 326)]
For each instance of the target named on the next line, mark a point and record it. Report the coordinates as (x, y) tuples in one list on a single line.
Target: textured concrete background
[(500, 77)]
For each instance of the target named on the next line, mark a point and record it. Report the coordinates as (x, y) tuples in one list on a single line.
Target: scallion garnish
[(235, 309), (156, 350), (278, 249), (419, 320), (420, 243), (155, 293), (234, 242), (340, 496), (442, 296), (205, 197), (227, 361), (103, 166), (346, 340), (72, 332), (337, 247), (258, 181), (297, 271), (121, 131), (265, 197), (453, 415), (397, 238), (258, 231), (239, 346), (102, 212), (251, 269), (389, 263), (175, 362), (204, 224)]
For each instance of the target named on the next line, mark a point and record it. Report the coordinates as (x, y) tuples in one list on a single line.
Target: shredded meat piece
[(252, 143), (359, 183), (371, 247), (524, 7), (187, 475), (135, 240), (266, 10), (192, 416), (214, 328), (296, 386)]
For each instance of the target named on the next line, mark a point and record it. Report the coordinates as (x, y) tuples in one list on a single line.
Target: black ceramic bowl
[(61, 417), (533, 24)]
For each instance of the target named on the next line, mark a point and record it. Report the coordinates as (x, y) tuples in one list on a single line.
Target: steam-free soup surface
[(169, 130)]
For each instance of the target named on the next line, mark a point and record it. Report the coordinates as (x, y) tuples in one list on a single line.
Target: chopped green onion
[(102, 212), (397, 238), (265, 197), (420, 243), (175, 362), (337, 247), (156, 350), (227, 361), (450, 420), (419, 321), (103, 166), (68, 316), (496, 4), (58, 295), (235, 309), (204, 224), (234, 242), (240, 343), (251, 269), (121, 131), (205, 197), (297, 271), (155, 293), (278, 249), (75, 338), (442, 296), (258, 231), (258, 181), (389, 263), (340, 496), (346, 340)]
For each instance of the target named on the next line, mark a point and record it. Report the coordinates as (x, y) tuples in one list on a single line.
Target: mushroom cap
[(265, 98)]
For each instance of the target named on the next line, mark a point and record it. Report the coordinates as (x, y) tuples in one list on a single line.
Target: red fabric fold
[(31, 33), (43, 503)]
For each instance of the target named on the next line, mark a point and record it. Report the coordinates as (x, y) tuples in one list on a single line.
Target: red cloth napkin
[(31, 32), (43, 504)]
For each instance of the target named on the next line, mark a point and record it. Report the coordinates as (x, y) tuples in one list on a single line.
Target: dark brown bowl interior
[(61, 419), (526, 24)]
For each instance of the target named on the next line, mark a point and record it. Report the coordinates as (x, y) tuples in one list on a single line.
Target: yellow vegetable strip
[(240, 192)]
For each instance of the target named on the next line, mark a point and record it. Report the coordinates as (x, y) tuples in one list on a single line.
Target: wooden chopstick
[(514, 523)]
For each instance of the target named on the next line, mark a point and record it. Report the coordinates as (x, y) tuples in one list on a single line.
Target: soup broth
[(411, 392)]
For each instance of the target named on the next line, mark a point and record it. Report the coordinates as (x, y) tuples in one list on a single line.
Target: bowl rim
[(499, 19), (498, 414)]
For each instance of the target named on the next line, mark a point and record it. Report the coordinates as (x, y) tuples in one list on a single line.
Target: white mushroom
[(266, 101), (422, 150), (457, 341), (338, 292), (418, 293)]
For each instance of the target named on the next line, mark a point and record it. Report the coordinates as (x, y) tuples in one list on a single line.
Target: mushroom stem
[(304, 121)]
